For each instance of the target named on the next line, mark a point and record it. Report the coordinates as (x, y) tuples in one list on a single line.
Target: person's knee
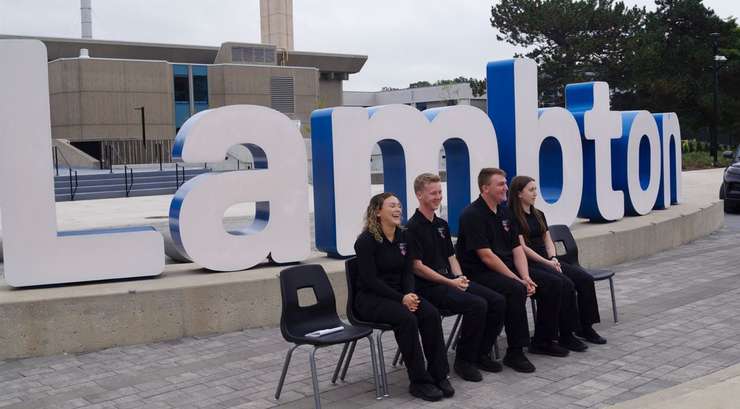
[(407, 319), (477, 304)]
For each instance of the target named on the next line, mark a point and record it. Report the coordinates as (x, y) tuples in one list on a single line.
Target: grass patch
[(702, 160)]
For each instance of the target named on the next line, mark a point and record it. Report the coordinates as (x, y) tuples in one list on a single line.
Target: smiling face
[(528, 195), (496, 189), (390, 212), (430, 196)]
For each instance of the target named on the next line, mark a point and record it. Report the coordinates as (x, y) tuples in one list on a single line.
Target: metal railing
[(179, 183), (126, 178), (73, 187)]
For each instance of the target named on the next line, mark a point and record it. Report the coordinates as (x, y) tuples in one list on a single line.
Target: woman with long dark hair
[(385, 293), (540, 249)]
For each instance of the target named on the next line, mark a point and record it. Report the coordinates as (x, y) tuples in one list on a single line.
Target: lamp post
[(143, 127), (717, 61)]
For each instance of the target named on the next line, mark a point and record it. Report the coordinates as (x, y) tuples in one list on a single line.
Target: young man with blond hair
[(439, 280)]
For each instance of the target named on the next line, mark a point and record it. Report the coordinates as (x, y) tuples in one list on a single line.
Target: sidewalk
[(678, 322)]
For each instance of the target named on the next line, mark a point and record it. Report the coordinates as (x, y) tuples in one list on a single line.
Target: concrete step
[(64, 184), (119, 175), (65, 197)]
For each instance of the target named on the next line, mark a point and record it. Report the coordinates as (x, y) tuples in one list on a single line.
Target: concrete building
[(421, 98), (98, 88)]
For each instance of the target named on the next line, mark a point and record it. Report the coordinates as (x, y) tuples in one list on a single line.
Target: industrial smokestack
[(276, 23), (86, 14)]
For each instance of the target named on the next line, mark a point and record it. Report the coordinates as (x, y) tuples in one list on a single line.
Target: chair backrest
[(561, 233), (297, 320), (351, 270)]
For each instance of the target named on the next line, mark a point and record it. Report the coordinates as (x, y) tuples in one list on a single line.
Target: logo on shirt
[(441, 231), (507, 224), (402, 247)]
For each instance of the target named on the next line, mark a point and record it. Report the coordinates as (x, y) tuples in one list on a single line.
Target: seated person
[(385, 294), (489, 253), (439, 280), (535, 238)]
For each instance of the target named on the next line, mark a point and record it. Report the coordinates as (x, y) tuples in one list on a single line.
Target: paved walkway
[(678, 321)]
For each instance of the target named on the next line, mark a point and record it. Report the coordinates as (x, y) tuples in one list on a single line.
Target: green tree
[(659, 60), (572, 41)]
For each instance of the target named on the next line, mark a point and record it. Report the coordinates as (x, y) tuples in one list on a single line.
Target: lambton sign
[(589, 161)]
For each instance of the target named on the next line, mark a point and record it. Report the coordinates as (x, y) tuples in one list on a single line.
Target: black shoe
[(425, 391), (467, 371), (485, 363), (572, 343), (447, 390), (518, 362), (590, 335), (548, 348)]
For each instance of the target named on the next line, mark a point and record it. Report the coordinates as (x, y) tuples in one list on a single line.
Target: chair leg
[(374, 359), (397, 359), (614, 301), (315, 379), (285, 371), (348, 359), (534, 309), (453, 333), (381, 364), (339, 363)]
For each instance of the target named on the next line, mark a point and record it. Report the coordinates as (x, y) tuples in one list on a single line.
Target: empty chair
[(297, 321), (561, 233)]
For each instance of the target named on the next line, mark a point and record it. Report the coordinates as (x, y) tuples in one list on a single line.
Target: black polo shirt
[(430, 242), (536, 237), (384, 268), (481, 228)]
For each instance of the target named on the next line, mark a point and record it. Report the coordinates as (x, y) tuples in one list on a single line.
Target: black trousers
[(588, 307), (557, 308), (515, 295), (407, 326), (483, 316)]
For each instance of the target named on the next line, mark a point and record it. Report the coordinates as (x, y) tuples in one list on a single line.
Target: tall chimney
[(86, 14), (276, 23)]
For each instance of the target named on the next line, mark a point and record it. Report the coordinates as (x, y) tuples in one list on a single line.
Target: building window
[(282, 97), (200, 87), (182, 86), (251, 55)]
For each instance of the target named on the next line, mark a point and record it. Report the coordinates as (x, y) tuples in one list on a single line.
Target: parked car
[(730, 190)]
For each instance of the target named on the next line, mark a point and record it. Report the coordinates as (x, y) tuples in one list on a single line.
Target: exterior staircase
[(121, 184)]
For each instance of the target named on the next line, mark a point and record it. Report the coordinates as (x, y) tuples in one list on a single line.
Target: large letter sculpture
[(534, 142), (589, 104), (35, 254), (342, 142), (279, 186)]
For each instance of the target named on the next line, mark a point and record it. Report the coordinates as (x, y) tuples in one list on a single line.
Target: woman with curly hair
[(385, 294), (578, 286)]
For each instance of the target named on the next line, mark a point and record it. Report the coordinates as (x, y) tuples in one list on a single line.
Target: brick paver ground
[(679, 320)]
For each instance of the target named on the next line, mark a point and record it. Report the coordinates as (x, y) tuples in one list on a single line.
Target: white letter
[(589, 103), (342, 142), (279, 185), (640, 177), (35, 254), (670, 184)]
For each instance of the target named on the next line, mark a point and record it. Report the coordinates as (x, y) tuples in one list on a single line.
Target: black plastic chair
[(351, 271), (561, 233), (296, 321)]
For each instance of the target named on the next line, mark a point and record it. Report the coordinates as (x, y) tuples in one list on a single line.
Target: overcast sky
[(405, 40)]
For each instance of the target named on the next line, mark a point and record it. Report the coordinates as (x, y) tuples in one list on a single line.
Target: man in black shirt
[(439, 280), (489, 252)]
